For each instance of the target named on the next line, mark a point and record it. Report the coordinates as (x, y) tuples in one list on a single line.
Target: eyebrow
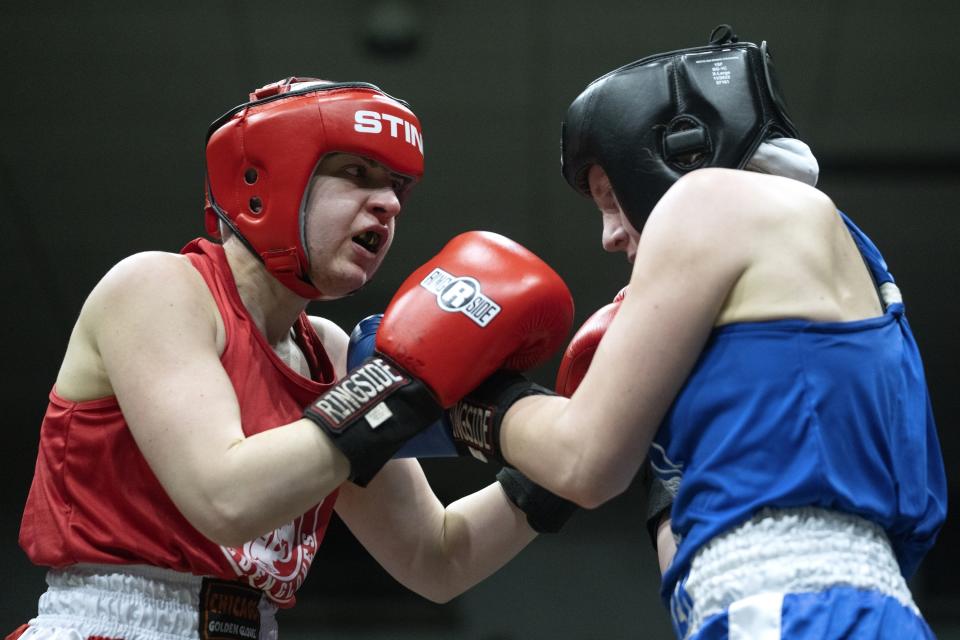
[(373, 164)]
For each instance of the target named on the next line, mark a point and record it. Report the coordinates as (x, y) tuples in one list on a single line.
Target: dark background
[(103, 112)]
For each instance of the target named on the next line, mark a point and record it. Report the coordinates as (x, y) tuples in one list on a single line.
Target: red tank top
[(94, 499)]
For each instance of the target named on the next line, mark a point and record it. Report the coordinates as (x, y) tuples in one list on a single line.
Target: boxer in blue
[(761, 359)]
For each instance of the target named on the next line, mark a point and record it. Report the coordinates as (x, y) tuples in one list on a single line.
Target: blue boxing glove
[(434, 441)]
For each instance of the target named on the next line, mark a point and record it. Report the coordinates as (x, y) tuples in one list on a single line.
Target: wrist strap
[(475, 421), (546, 511), (371, 412)]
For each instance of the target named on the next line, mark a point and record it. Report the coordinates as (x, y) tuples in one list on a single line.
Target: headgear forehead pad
[(261, 155), (653, 120)]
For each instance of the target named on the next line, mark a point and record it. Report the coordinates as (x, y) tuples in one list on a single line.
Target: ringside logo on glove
[(472, 424), (461, 294), (364, 387)]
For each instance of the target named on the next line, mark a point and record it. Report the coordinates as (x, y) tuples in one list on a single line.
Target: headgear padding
[(787, 158), (262, 154), (653, 120)]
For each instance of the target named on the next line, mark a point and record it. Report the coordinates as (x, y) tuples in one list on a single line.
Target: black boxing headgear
[(651, 121), (262, 154)]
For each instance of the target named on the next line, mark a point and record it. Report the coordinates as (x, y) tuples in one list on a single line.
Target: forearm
[(438, 552), (570, 448), (261, 482), (533, 441), (480, 533)]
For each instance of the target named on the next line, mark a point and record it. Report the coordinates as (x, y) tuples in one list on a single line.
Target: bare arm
[(690, 255), (666, 545), (334, 342), (438, 552), (435, 551), (154, 325)]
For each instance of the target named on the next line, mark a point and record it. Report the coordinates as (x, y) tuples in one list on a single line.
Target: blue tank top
[(788, 413)]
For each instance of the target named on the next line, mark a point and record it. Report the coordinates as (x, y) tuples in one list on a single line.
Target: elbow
[(223, 532), (590, 495), (442, 567), (224, 523), (591, 482), (432, 586), (438, 597), (226, 535), (442, 589)]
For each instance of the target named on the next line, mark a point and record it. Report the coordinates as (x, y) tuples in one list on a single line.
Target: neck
[(273, 307)]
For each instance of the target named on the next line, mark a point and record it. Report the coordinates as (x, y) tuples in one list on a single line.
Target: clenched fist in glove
[(579, 353), (545, 512), (483, 303), (476, 419)]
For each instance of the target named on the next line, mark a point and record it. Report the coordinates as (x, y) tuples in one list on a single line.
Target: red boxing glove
[(576, 359), (483, 303)]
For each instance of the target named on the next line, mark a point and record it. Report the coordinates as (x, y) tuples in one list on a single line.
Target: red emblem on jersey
[(277, 562)]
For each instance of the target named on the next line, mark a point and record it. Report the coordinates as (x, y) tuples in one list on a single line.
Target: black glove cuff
[(371, 412), (546, 511), (475, 421)]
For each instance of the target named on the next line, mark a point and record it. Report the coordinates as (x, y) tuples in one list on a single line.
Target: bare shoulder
[(151, 280), (743, 196), (140, 295), (334, 340), (154, 294), (780, 243), (734, 208)]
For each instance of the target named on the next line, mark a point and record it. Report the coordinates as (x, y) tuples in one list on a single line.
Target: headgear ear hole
[(686, 144), (654, 119), (256, 179)]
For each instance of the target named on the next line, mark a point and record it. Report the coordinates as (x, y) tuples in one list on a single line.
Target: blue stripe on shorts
[(840, 613)]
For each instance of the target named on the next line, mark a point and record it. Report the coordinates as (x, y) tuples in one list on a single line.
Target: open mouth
[(368, 240)]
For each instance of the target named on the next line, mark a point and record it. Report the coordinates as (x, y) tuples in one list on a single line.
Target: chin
[(344, 285), (327, 297)]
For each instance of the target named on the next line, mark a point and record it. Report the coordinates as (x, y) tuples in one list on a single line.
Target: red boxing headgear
[(262, 154)]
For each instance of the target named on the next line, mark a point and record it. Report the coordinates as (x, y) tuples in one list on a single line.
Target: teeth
[(368, 240)]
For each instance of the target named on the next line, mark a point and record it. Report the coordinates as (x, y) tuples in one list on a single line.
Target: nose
[(614, 236), (384, 203)]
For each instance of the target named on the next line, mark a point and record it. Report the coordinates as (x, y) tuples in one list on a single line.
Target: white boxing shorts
[(797, 574), (133, 602)]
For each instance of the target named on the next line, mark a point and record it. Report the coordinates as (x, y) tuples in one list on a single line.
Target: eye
[(355, 170), (399, 185), (606, 202)]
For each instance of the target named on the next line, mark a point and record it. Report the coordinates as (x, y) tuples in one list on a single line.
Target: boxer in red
[(180, 489)]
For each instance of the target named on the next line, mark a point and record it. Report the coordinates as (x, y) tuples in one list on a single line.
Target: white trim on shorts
[(782, 551), (133, 602)]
